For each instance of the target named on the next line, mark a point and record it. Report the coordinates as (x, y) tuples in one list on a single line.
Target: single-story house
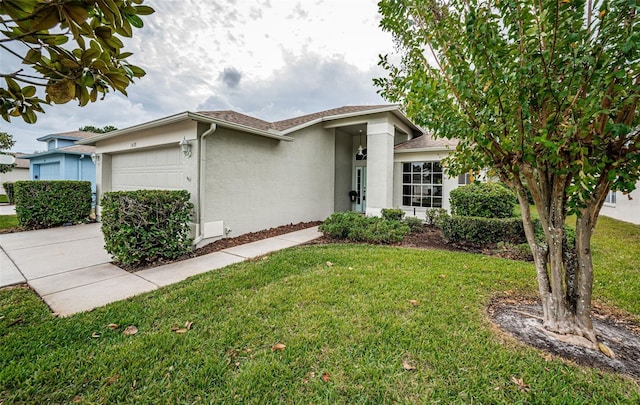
[(625, 207), (19, 172), (63, 159), (245, 174)]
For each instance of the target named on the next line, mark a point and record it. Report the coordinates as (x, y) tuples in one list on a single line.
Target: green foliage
[(45, 204), (392, 214), (434, 214), (486, 200), (415, 224), (98, 130), (144, 226), (6, 143), (92, 63), (477, 230), (357, 227), (9, 189)]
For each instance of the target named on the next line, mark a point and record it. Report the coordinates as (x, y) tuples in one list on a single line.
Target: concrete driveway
[(69, 268)]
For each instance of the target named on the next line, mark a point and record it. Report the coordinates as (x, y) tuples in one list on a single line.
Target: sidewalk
[(70, 270)]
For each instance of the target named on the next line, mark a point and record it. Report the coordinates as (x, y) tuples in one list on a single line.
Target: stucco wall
[(255, 183), (14, 175), (449, 183), (343, 171), (624, 209)]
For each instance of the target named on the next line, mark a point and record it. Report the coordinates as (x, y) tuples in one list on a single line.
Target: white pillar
[(379, 166)]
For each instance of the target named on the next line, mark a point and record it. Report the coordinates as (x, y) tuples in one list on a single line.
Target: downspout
[(201, 194)]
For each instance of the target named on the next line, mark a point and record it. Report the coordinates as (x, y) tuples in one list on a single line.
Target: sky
[(271, 59)]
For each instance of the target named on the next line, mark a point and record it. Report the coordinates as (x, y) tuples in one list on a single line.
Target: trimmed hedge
[(8, 188), (143, 227), (485, 200), (359, 228), (482, 230), (49, 203)]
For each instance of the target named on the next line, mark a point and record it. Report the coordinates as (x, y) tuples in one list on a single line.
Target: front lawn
[(347, 316), (8, 222)]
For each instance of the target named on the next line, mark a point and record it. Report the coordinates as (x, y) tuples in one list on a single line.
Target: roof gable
[(71, 136), (426, 141)]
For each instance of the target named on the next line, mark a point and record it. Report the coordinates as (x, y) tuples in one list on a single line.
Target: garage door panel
[(149, 169)]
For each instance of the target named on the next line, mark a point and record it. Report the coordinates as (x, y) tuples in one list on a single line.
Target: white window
[(611, 198), (422, 184), (465, 179)]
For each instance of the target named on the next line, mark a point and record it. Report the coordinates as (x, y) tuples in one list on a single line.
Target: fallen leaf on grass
[(415, 303), (130, 330), (278, 347), (408, 366), (329, 264), (181, 331), (113, 326), (326, 377), (443, 276), (606, 350), (520, 383), (187, 326), (95, 335), (350, 268), (112, 379)]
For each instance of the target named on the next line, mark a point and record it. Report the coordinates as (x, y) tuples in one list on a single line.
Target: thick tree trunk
[(565, 276)]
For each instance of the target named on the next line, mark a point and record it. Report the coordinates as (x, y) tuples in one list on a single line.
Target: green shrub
[(356, 227), (433, 215), (486, 200), (482, 230), (45, 204), (144, 226), (8, 188), (392, 214), (415, 224)]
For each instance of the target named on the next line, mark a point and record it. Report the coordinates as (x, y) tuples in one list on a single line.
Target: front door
[(360, 186)]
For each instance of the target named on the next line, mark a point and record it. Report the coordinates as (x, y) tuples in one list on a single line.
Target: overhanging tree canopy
[(37, 33), (545, 93)]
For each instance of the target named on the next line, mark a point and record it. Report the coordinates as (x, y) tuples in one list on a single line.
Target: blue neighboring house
[(63, 159)]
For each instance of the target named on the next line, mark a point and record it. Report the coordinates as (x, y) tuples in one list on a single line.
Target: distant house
[(19, 172), (625, 207), (245, 174), (63, 159)]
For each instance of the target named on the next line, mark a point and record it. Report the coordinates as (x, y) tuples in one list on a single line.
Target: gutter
[(201, 195)]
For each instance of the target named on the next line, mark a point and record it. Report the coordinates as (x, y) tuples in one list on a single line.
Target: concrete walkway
[(69, 268)]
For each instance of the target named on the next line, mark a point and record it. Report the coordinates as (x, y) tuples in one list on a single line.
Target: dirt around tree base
[(522, 319)]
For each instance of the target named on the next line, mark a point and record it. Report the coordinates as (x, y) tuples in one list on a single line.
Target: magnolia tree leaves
[(70, 50)]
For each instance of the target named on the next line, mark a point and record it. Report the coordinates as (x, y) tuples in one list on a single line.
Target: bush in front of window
[(433, 215), (415, 224), (485, 200), (49, 203), (477, 230), (392, 214), (144, 227), (8, 188), (359, 228)]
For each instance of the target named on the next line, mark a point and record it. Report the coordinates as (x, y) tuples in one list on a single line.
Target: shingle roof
[(427, 141), (78, 149), (242, 119), (21, 163), (72, 135)]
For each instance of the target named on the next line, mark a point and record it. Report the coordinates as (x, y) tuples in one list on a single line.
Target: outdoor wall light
[(95, 158), (185, 147)]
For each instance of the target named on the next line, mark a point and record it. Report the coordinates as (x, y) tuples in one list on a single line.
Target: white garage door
[(149, 169)]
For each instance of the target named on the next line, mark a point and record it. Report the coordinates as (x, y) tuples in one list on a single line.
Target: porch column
[(379, 166)]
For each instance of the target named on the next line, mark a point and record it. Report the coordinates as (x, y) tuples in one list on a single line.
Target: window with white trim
[(422, 184), (611, 198), (465, 179)]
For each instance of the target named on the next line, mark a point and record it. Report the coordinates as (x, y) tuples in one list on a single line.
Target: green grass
[(4, 198), (351, 320), (8, 221)]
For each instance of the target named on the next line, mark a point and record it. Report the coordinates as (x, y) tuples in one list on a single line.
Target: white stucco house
[(19, 172), (625, 207), (245, 174)]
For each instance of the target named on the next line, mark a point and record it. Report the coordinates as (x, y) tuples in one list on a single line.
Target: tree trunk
[(565, 276)]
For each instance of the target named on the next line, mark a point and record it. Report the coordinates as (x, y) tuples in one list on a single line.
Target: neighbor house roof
[(276, 130), (20, 162), (426, 142), (72, 135), (71, 150)]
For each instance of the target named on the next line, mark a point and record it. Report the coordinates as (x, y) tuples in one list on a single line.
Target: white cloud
[(246, 56)]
